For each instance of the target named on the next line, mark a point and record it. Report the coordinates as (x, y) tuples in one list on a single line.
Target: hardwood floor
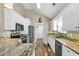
[(42, 50)]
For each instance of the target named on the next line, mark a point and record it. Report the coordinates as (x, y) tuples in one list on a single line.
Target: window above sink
[(58, 25)]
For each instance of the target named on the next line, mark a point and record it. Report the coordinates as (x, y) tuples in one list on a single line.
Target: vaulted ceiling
[(48, 9)]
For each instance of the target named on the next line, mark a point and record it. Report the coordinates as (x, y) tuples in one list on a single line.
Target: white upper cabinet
[(8, 22), (11, 18), (71, 18)]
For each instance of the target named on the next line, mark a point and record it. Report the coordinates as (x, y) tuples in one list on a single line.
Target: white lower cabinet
[(51, 42), (68, 52)]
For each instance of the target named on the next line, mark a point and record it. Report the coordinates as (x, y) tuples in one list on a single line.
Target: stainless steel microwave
[(19, 27)]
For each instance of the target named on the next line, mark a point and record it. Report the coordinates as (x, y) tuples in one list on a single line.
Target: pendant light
[(40, 21)]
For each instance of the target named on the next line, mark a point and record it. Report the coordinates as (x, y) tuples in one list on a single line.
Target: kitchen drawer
[(68, 52)]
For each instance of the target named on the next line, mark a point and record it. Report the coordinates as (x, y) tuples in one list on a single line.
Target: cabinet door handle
[(68, 51)]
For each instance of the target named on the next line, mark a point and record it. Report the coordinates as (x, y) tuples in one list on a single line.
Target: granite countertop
[(5, 42), (21, 50), (74, 45), (12, 47)]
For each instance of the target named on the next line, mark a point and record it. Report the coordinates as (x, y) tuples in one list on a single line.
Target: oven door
[(23, 38)]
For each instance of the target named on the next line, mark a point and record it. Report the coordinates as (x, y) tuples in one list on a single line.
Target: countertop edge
[(65, 43)]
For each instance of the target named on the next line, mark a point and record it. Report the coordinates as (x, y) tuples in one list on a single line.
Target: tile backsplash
[(74, 35), (1, 34), (5, 34)]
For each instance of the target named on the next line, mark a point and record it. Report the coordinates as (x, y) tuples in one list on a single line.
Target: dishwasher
[(58, 48)]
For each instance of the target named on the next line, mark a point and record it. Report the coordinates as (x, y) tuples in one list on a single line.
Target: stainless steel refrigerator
[(31, 33)]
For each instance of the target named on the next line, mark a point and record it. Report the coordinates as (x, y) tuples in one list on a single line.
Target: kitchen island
[(13, 47)]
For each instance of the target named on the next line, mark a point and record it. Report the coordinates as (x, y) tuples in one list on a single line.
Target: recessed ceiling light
[(53, 4), (38, 6)]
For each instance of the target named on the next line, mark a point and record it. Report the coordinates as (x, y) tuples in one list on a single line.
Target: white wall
[(59, 16), (70, 17)]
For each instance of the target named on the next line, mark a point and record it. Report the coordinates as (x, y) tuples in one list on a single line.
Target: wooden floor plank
[(42, 50)]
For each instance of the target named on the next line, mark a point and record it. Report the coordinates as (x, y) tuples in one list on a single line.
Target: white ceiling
[(47, 9)]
